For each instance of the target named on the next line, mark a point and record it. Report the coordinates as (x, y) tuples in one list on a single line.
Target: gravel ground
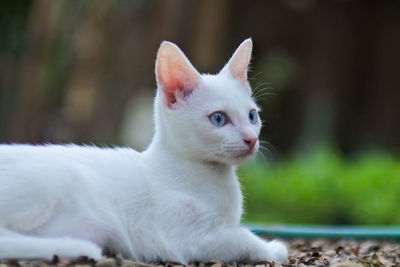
[(302, 253)]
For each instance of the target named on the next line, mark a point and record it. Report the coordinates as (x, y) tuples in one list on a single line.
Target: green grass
[(324, 189)]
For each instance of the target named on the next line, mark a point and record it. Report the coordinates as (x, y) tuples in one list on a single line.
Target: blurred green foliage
[(324, 188)]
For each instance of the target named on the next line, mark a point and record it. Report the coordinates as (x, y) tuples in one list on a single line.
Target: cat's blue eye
[(218, 119), (253, 116)]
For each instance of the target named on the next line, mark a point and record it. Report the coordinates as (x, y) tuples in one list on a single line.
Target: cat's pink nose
[(250, 142)]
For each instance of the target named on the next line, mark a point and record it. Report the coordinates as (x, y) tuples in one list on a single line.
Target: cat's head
[(206, 117)]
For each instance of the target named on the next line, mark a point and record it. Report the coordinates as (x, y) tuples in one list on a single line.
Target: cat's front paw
[(270, 251), (93, 252), (75, 248), (277, 251)]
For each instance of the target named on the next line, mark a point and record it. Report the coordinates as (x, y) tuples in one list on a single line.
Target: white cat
[(179, 200)]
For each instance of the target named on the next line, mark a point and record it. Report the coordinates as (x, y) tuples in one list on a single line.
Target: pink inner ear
[(175, 75), (240, 60), (172, 86), (178, 80), (239, 65), (239, 72)]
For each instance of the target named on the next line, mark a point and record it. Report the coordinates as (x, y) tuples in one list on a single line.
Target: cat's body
[(81, 192), (179, 200)]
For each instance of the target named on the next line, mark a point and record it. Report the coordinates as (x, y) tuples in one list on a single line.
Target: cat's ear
[(239, 62), (176, 76)]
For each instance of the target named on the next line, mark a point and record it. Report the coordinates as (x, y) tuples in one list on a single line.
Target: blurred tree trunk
[(383, 104), (27, 118)]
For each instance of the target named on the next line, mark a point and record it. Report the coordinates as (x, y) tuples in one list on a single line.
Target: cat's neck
[(160, 151), (215, 185)]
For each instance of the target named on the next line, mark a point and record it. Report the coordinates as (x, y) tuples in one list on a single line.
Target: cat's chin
[(237, 159)]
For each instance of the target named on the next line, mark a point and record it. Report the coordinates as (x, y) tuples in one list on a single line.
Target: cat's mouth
[(237, 155), (243, 154)]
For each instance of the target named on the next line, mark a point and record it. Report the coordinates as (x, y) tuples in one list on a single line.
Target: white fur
[(179, 200)]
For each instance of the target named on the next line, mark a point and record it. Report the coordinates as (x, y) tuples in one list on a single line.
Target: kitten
[(179, 200)]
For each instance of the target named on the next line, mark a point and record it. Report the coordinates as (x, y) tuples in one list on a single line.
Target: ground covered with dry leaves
[(318, 252)]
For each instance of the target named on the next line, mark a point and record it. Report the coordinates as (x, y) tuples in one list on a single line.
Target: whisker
[(262, 92), (259, 84), (259, 96), (253, 77), (267, 151), (260, 87), (259, 152), (253, 83), (266, 144)]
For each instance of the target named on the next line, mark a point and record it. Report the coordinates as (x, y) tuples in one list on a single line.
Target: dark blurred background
[(70, 70), (83, 71)]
